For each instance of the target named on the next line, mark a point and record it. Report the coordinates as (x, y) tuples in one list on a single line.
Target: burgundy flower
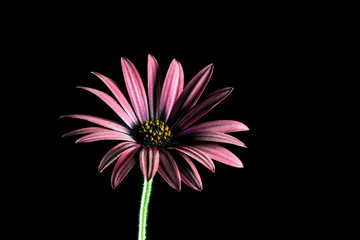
[(157, 125)]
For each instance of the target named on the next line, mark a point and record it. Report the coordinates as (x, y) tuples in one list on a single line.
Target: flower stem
[(145, 198)]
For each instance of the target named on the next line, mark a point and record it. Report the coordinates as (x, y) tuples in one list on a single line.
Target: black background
[(252, 50)]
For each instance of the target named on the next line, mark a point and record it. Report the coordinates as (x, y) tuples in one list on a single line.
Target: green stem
[(145, 198)]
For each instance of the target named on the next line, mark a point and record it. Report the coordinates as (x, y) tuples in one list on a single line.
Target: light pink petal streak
[(222, 126), (217, 137), (101, 121), (114, 88), (198, 155), (169, 170), (114, 153), (105, 135), (84, 131), (219, 153), (149, 161), (154, 86), (173, 86), (202, 108), (192, 92), (135, 89), (123, 165), (189, 174), (112, 104)]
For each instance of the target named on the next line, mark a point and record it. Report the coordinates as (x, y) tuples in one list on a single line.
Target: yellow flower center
[(153, 133)]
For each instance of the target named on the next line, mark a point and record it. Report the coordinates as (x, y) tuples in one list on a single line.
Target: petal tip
[(175, 61), (114, 184), (124, 60), (239, 165), (100, 169)]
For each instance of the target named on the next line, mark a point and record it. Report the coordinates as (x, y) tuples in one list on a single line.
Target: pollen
[(153, 133)]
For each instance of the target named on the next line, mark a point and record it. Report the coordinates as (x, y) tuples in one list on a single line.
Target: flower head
[(156, 127)]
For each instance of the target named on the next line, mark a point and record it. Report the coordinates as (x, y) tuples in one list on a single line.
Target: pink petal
[(84, 131), (198, 155), (189, 174), (216, 137), (112, 104), (114, 153), (105, 135), (101, 121), (154, 86), (223, 126), (135, 89), (202, 108), (149, 161), (123, 165), (192, 92), (169, 170), (173, 86), (219, 153), (119, 95)]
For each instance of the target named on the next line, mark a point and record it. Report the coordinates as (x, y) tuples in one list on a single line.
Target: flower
[(157, 125)]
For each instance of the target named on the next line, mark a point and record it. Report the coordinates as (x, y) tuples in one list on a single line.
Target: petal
[(112, 104), (216, 137), (154, 85), (84, 131), (149, 161), (101, 121), (114, 153), (223, 126), (123, 165), (119, 95), (188, 173), (192, 92), (202, 108), (105, 135), (173, 86), (135, 89), (198, 155), (219, 153), (169, 170)]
